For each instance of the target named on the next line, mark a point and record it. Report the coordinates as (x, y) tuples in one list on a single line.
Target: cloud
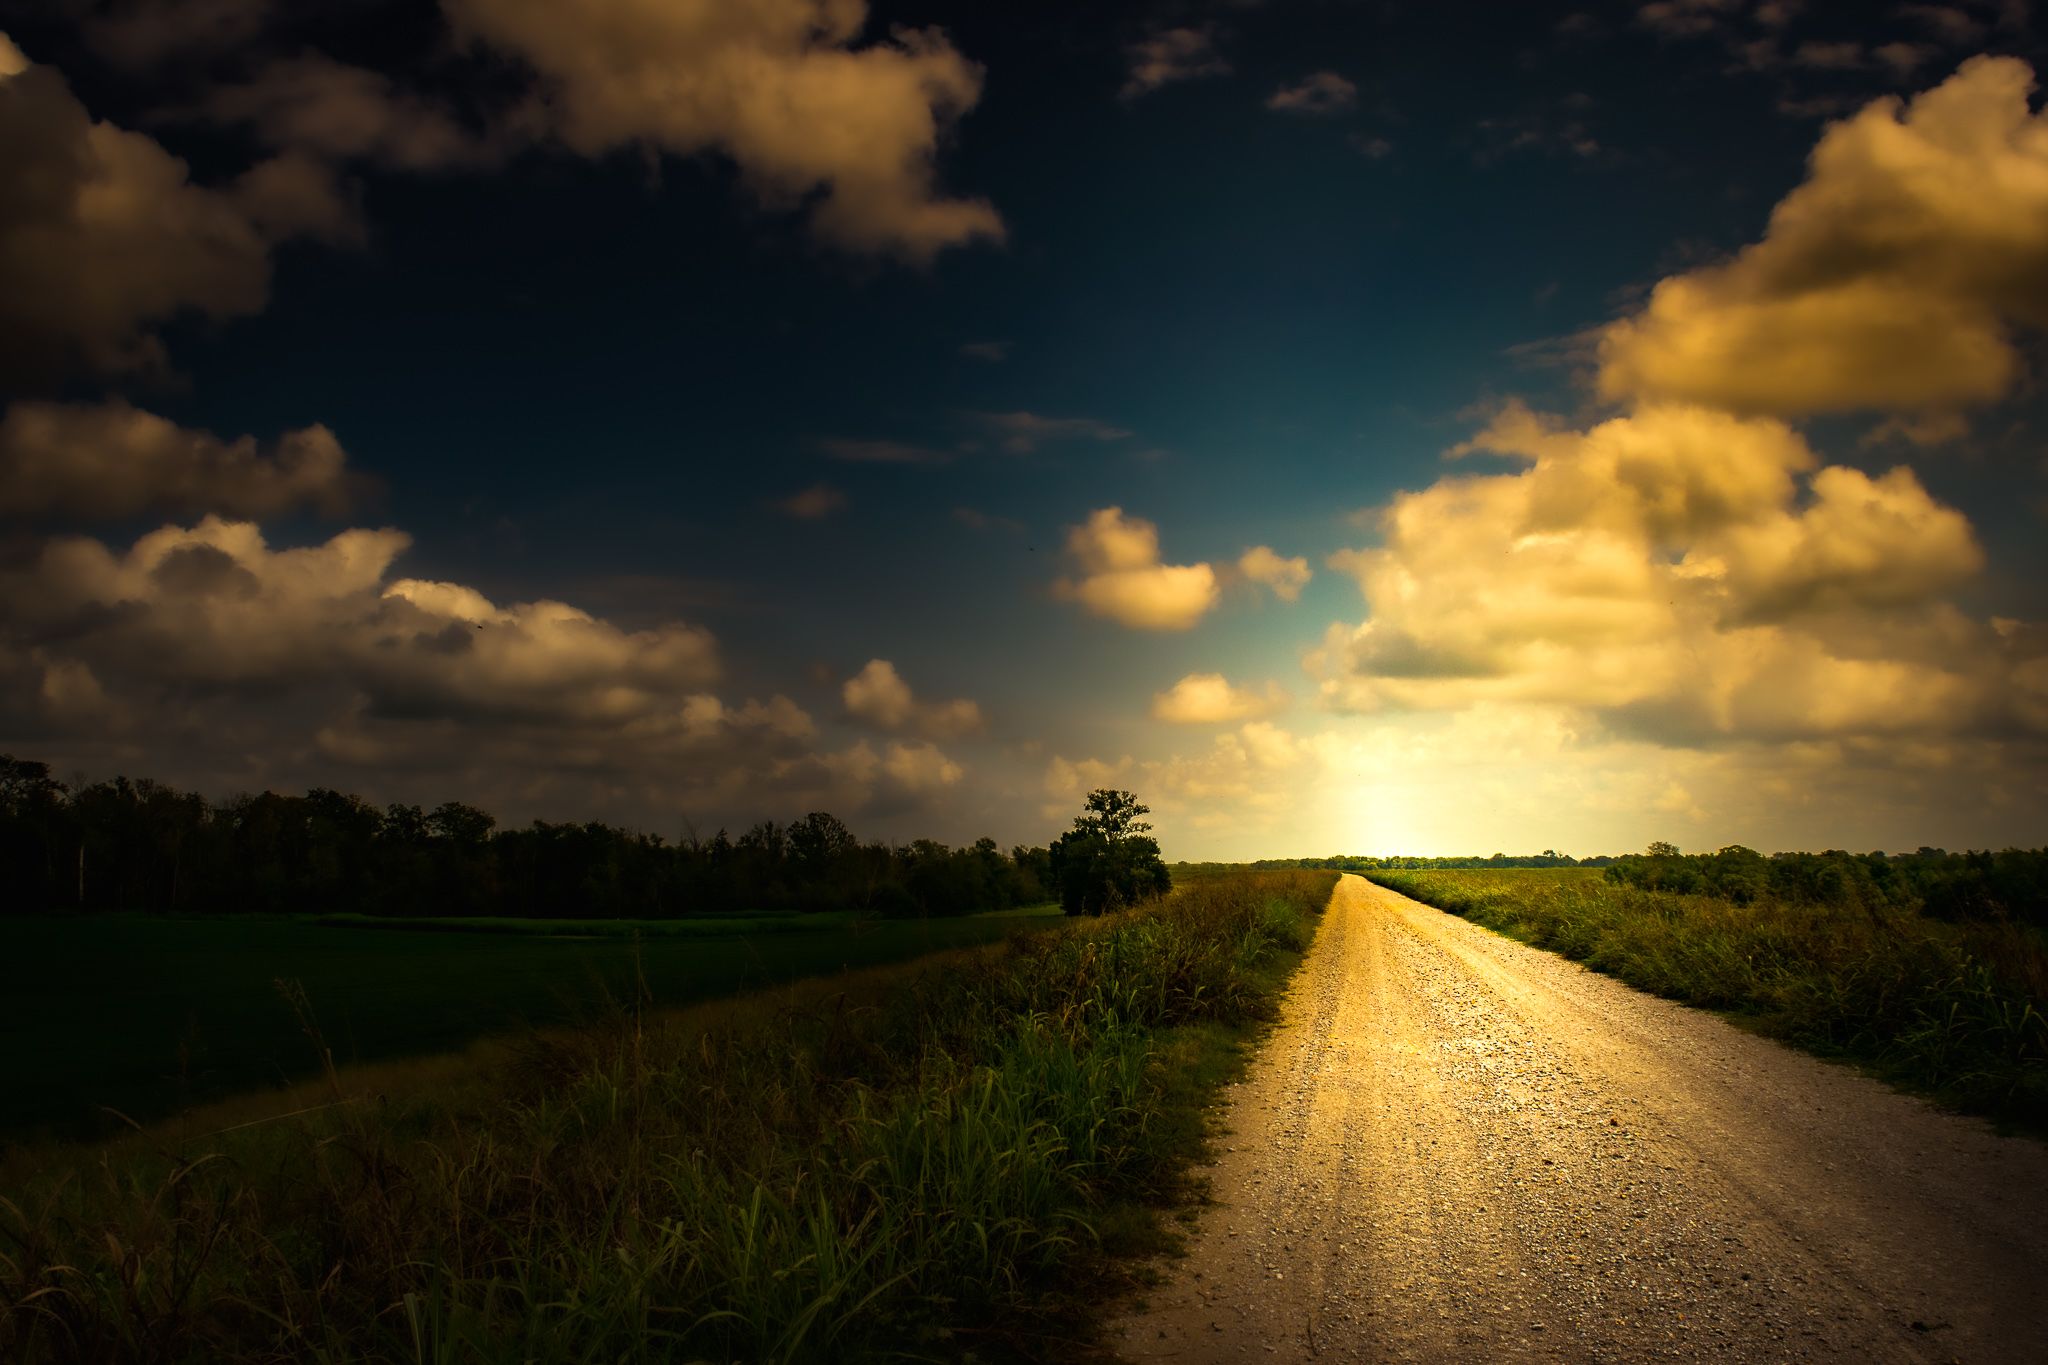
[(1122, 579), (140, 34), (1676, 800), (1324, 92), (1920, 429), (1949, 23), (314, 104), (1682, 574), (111, 461), (920, 768), (976, 519), (782, 88), (1686, 18), (204, 646), (104, 236), (992, 351), (1023, 432), (1211, 699), (1250, 778), (1166, 56), (1285, 576), (1893, 278), (812, 504), (1903, 58), (1841, 56), (214, 605), (882, 452), (879, 695)]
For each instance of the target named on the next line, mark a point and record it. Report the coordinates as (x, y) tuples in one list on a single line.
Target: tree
[(818, 842), (461, 824), (1108, 860)]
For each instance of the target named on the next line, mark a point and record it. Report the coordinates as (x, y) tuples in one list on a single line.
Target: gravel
[(1456, 1147)]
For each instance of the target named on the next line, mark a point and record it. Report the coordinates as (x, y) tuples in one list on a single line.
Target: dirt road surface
[(1458, 1148)]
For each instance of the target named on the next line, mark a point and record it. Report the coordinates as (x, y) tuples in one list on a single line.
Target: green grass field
[(148, 1015), (1958, 1010), (951, 1159)]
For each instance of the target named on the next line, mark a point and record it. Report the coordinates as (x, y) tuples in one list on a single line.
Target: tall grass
[(1960, 1010), (906, 1172)]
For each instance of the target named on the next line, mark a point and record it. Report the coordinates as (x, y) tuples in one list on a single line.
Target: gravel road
[(1457, 1148)]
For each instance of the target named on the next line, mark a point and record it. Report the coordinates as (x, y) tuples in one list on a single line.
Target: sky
[(1352, 427)]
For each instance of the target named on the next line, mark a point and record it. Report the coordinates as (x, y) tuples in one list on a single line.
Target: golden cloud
[(1285, 575), (328, 109), (879, 695), (208, 640), (1169, 55), (111, 460), (1247, 779), (1893, 278), (103, 235), (1122, 579), (1683, 573), (214, 605), (778, 86), (1212, 699)]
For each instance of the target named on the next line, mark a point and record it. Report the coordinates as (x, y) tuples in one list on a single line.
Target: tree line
[(1356, 862), (1978, 885), (141, 845)]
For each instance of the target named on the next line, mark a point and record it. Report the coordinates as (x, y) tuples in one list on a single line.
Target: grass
[(1958, 1011), (930, 1164), (148, 1015)]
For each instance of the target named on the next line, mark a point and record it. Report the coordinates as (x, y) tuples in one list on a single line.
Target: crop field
[(1950, 1008), (146, 1015)]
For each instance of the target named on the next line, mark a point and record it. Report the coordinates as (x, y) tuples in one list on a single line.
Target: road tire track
[(1457, 1147)]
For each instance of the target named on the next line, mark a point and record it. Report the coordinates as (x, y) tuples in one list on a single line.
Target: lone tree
[(1107, 860)]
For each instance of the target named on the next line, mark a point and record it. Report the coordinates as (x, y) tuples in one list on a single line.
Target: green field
[(1958, 1010), (952, 1159), (148, 1015)]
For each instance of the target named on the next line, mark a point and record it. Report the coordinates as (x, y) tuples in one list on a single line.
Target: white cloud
[(111, 460), (1211, 699)]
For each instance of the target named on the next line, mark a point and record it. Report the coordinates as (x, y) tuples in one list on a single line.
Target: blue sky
[(1259, 266)]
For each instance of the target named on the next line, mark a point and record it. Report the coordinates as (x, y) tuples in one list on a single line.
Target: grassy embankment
[(923, 1164), (147, 1015), (1955, 1010)]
